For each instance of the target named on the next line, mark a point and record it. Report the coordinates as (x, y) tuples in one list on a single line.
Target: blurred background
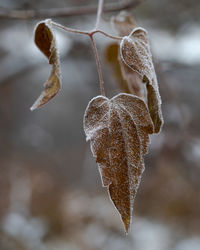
[(50, 188)]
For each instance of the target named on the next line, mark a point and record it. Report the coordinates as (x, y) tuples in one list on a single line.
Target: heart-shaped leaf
[(118, 130)]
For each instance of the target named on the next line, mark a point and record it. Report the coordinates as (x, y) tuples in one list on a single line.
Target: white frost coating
[(138, 29), (146, 62), (142, 53)]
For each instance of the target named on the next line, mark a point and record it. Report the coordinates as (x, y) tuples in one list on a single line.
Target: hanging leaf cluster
[(118, 128)]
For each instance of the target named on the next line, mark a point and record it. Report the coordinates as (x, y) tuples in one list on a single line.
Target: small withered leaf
[(123, 23), (136, 54), (43, 38), (154, 107), (45, 41), (118, 130)]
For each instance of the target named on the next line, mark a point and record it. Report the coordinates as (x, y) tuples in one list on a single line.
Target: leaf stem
[(119, 38), (70, 29), (89, 33), (101, 82)]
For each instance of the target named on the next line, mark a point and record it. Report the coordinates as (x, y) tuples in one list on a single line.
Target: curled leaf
[(45, 41), (118, 130), (124, 24), (136, 54)]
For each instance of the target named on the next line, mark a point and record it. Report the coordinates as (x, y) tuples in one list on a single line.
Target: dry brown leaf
[(135, 52), (45, 41), (128, 80), (111, 57), (124, 24), (134, 82), (118, 130)]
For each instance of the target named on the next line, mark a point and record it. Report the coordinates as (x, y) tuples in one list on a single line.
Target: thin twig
[(68, 11), (91, 34), (70, 29), (108, 35), (99, 13), (85, 32), (98, 66)]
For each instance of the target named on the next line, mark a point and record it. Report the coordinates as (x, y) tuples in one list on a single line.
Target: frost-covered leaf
[(118, 130), (124, 24), (45, 41), (135, 52)]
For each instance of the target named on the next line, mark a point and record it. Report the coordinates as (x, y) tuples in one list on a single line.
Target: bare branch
[(68, 11), (65, 28), (60, 26)]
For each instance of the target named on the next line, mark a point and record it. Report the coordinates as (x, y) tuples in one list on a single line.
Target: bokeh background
[(51, 195)]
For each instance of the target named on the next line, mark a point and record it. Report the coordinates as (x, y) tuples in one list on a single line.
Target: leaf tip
[(126, 221), (32, 108), (38, 103)]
